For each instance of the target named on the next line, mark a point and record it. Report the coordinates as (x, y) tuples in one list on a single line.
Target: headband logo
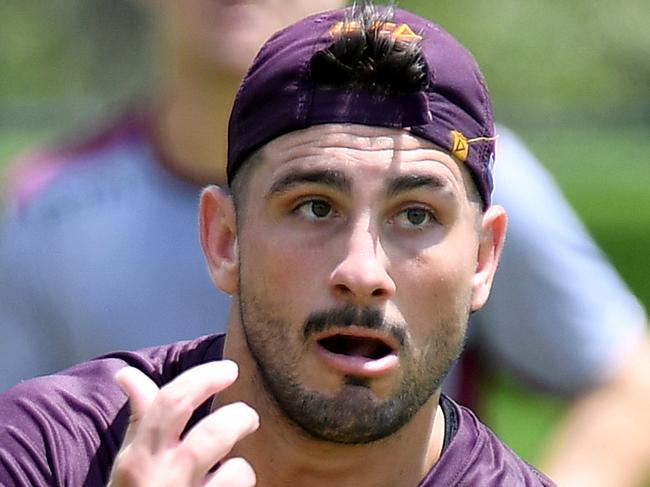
[(400, 32), (459, 145)]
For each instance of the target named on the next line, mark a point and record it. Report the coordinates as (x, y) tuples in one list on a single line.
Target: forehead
[(357, 148)]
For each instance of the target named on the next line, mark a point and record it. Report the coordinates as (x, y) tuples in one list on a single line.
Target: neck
[(192, 121), (295, 458)]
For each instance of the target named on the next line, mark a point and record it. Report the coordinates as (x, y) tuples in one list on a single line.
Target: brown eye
[(320, 208), (315, 209), (416, 216)]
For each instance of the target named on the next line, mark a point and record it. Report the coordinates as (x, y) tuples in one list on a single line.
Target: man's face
[(226, 34), (359, 263)]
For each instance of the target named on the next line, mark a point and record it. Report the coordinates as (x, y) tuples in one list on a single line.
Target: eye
[(314, 209), (415, 217)]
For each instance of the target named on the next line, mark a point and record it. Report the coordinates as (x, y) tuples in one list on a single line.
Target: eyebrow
[(328, 177), (409, 182)]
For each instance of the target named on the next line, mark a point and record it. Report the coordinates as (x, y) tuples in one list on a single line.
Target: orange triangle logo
[(403, 32), (459, 145)]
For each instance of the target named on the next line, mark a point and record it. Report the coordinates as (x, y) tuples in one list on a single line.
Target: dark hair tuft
[(365, 58)]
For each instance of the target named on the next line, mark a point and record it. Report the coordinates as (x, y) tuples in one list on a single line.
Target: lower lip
[(358, 366)]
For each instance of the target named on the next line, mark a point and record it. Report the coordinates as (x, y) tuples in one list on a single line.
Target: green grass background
[(604, 173)]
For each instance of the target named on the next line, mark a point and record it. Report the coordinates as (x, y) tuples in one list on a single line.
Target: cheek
[(276, 265), (438, 281), (436, 306)]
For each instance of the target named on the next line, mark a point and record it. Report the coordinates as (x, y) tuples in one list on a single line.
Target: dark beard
[(354, 414)]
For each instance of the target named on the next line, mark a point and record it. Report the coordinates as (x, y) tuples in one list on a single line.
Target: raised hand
[(153, 453)]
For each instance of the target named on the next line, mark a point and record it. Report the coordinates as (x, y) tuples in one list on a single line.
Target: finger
[(174, 404), (215, 435), (141, 391), (234, 472)]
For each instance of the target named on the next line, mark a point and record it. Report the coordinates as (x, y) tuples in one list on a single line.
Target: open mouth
[(360, 354), (354, 346)]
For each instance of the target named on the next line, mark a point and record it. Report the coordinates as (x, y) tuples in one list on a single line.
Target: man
[(359, 236), (101, 237), (99, 252)]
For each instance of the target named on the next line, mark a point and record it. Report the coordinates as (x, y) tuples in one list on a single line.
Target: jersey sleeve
[(66, 428), (53, 427), (559, 315)]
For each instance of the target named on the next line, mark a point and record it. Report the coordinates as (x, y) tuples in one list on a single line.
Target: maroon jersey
[(66, 428)]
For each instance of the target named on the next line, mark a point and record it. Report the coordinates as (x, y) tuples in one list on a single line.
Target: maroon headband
[(453, 109)]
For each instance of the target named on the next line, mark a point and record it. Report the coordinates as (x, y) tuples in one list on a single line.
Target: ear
[(491, 239), (218, 232)]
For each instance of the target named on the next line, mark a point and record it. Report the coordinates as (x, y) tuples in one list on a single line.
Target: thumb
[(141, 391)]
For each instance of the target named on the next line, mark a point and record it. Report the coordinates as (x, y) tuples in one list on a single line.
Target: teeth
[(354, 346)]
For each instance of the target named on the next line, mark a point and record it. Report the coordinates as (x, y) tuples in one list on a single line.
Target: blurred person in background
[(78, 279)]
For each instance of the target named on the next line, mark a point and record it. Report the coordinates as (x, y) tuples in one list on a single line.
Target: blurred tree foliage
[(581, 58), (542, 58), (61, 59)]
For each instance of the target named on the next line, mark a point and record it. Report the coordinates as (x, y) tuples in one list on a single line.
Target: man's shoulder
[(475, 456), (93, 379), (79, 163), (69, 425)]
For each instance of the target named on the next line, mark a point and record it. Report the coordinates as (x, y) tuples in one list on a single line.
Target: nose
[(362, 276)]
